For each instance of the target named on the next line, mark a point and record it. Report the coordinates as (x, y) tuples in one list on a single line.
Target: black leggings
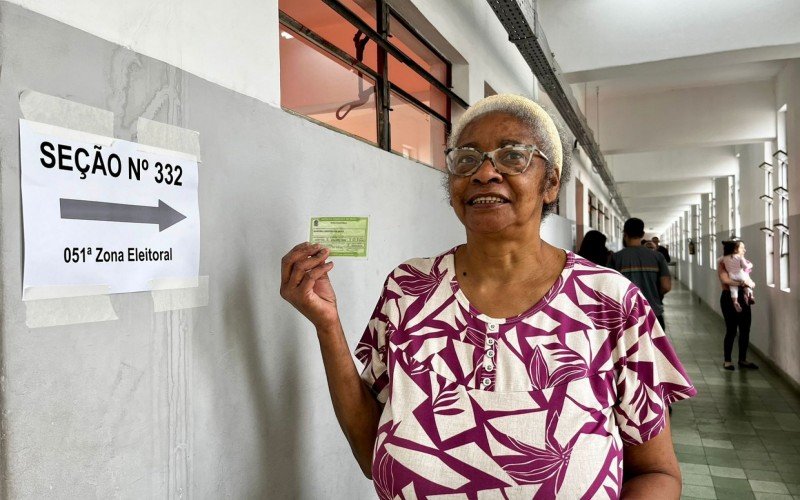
[(734, 320)]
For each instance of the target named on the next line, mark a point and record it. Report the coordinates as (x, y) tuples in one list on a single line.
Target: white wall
[(233, 44)]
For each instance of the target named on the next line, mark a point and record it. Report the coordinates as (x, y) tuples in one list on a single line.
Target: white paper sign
[(99, 211)]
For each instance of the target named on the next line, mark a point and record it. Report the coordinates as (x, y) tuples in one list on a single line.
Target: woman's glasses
[(508, 160)]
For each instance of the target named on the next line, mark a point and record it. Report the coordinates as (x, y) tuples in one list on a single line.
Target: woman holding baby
[(733, 270)]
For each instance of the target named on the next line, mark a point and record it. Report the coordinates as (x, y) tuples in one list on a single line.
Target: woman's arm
[(355, 407), (651, 469), (305, 285)]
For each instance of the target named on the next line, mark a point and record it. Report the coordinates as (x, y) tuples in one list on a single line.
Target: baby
[(739, 269)]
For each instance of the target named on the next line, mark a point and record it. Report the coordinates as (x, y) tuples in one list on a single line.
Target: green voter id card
[(345, 236)]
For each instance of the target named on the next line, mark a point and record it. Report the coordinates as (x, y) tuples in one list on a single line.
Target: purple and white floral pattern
[(534, 406)]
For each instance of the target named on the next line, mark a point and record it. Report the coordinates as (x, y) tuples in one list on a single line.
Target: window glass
[(327, 23), (414, 48), (415, 133), (410, 81), (319, 78), (320, 87)]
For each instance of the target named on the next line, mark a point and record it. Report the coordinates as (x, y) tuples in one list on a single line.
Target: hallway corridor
[(740, 436)]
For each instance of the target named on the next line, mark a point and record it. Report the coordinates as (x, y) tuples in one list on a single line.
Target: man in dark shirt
[(662, 250), (645, 268)]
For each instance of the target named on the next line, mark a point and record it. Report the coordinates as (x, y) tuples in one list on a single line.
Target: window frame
[(769, 215), (699, 233), (712, 236), (383, 85), (781, 227)]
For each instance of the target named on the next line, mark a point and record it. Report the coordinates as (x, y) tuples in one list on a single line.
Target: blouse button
[(486, 382), (488, 367), (490, 354), (492, 327), (490, 342)]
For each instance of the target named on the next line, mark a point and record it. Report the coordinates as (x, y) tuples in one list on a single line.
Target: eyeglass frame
[(535, 151)]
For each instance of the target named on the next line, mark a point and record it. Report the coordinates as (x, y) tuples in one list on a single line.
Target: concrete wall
[(228, 400)]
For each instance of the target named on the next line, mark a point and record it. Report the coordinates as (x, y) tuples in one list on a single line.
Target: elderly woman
[(504, 367)]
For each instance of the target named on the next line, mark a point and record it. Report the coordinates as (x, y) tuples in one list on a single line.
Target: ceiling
[(670, 87)]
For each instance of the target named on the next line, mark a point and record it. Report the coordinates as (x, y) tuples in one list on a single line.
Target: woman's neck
[(490, 259)]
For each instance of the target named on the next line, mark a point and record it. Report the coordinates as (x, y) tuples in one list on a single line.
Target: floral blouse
[(535, 406)]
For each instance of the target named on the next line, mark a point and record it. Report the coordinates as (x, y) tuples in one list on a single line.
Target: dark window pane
[(318, 86), (324, 21), (415, 133)]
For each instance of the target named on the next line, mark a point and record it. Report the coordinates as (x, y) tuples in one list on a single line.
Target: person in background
[(645, 268), (650, 245), (593, 248), (504, 367), (734, 319), (739, 269), (662, 250)]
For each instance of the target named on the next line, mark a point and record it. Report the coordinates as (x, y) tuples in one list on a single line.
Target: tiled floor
[(740, 436)]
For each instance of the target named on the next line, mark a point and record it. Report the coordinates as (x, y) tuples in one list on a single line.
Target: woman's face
[(514, 201)]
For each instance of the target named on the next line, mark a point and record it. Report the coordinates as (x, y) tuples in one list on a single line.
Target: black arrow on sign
[(163, 215)]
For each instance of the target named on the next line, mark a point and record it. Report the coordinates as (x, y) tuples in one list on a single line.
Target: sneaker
[(728, 367)]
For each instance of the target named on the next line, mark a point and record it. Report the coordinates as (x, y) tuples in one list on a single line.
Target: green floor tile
[(721, 453), (758, 465), (727, 472), (690, 449), (772, 496), (694, 491), (735, 494), (697, 479), (783, 449), (688, 458), (763, 475), (724, 462), (727, 483), (703, 469), (768, 487)]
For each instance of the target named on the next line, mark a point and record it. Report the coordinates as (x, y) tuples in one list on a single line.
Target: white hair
[(544, 129)]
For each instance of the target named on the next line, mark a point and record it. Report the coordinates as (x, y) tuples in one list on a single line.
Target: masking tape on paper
[(52, 110), (162, 135), (68, 311), (181, 298)]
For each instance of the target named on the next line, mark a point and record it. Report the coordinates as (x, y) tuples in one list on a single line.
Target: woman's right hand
[(305, 284)]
